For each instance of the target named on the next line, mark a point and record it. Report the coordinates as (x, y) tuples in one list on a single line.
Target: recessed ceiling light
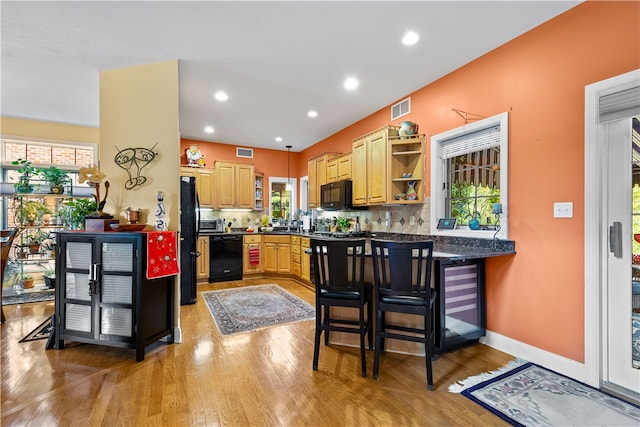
[(278, 139), (221, 96), (351, 83), (410, 38), (312, 113), (209, 129)]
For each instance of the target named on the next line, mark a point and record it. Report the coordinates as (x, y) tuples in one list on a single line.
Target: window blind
[(620, 105), (470, 142)]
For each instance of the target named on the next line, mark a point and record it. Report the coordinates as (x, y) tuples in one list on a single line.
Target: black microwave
[(336, 195)]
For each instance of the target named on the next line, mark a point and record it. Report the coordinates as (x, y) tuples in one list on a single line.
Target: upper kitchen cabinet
[(339, 169), (317, 173), (235, 185), (371, 174), (259, 191), (406, 169), (204, 184)]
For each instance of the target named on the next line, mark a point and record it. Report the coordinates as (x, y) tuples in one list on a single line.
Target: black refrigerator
[(189, 228)]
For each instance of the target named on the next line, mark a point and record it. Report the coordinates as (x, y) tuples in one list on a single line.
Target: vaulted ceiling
[(275, 60)]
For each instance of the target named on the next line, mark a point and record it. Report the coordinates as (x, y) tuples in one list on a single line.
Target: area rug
[(530, 395), (254, 307), (43, 331), (28, 297)]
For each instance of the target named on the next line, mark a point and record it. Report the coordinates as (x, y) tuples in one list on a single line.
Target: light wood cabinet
[(204, 184), (252, 242), (305, 259), (406, 166), (339, 169), (235, 185), (317, 172), (259, 192), (295, 256), (277, 254), (202, 262), (370, 176)]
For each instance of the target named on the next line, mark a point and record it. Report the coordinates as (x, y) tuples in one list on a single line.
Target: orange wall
[(536, 296), (269, 162)]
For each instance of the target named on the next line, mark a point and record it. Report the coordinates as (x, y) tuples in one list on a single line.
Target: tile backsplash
[(372, 219)]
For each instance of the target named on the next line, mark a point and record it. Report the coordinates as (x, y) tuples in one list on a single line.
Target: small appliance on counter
[(208, 226)]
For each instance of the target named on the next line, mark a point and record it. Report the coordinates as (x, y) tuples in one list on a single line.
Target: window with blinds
[(469, 177)]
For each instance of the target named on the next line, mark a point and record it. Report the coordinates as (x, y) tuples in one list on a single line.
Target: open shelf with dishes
[(406, 169)]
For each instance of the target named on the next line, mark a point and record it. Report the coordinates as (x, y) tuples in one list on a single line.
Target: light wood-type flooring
[(259, 378)]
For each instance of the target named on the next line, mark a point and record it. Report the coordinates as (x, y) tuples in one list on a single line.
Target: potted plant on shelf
[(27, 170), (35, 239), (28, 212), (49, 276), (74, 212), (56, 178), (27, 281)]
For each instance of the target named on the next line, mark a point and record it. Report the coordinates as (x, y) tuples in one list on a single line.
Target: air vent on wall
[(244, 152), (401, 108)]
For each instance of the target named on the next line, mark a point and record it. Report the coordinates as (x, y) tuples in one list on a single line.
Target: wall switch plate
[(563, 210), (412, 220)]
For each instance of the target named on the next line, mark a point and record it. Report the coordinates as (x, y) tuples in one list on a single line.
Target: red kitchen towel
[(162, 258), (254, 256)]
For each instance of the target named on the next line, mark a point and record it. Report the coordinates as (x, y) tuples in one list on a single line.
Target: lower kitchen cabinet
[(202, 262), (305, 259), (295, 256), (277, 254), (103, 295), (252, 254)]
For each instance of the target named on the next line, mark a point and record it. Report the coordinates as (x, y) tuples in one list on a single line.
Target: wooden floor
[(256, 378)]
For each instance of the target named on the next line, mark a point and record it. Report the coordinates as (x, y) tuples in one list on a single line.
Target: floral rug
[(254, 307), (530, 395)]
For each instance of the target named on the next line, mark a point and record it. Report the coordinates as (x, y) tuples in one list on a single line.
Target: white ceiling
[(276, 60)]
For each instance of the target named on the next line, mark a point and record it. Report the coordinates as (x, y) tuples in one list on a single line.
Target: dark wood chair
[(402, 284), (339, 282), (6, 240)]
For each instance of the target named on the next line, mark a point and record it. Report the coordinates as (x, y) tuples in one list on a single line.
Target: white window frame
[(439, 176)]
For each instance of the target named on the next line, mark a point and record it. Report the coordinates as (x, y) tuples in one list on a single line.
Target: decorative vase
[(24, 188), (411, 193), (407, 129), (474, 223), (50, 282)]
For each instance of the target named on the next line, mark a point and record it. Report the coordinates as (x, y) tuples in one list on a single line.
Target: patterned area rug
[(530, 395), (254, 307), (28, 297)]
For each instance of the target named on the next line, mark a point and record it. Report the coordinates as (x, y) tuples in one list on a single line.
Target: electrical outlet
[(412, 220), (563, 210)]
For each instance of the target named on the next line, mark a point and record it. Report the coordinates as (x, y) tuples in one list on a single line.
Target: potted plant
[(27, 281), (35, 239), (49, 276), (48, 245), (30, 211), (56, 178), (27, 170), (75, 211), (344, 224)]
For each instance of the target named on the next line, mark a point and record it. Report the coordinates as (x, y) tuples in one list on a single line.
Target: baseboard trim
[(560, 364)]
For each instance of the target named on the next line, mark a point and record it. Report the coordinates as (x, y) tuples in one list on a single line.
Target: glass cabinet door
[(77, 295), (116, 291)]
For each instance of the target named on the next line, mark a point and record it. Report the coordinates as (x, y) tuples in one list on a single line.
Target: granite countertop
[(445, 247)]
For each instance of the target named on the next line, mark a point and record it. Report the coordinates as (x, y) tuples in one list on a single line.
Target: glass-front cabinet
[(103, 296)]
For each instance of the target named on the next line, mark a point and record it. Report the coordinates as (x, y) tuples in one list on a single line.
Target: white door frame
[(596, 239)]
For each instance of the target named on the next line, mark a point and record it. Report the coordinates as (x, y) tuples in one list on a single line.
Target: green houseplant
[(28, 212), (74, 212), (56, 178), (35, 239), (26, 168), (344, 224)]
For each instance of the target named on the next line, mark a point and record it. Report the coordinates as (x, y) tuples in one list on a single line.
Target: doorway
[(609, 213)]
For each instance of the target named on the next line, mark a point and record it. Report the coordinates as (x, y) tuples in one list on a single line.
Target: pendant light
[(288, 168)]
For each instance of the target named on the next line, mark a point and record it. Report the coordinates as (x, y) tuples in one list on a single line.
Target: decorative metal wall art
[(133, 160)]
